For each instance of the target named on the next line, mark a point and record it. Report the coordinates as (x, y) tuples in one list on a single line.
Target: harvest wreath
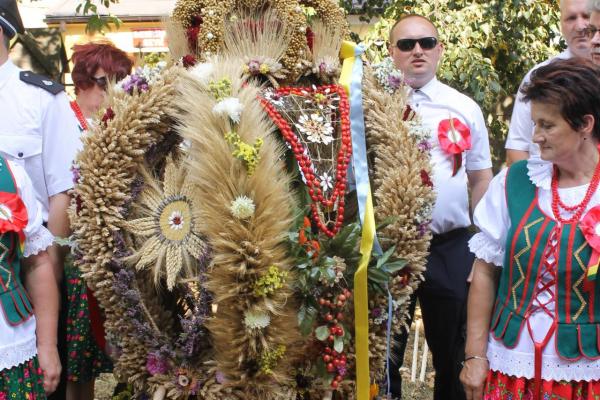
[(226, 264)]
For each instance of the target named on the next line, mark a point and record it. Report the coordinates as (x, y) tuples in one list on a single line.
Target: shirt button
[(20, 154)]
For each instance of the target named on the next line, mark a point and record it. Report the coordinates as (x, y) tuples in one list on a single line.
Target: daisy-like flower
[(166, 226), (326, 182), (242, 207), (176, 220), (203, 72), (273, 97), (231, 107), (256, 319), (315, 128)]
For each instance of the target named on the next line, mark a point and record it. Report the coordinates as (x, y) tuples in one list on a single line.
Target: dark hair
[(88, 58), (5, 39), (573, 85)]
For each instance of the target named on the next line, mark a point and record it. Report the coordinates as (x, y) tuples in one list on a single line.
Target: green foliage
[(97, 22), (489, 47)]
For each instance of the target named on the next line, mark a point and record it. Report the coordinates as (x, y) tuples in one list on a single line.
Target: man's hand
[(473, 376), (50, 365)]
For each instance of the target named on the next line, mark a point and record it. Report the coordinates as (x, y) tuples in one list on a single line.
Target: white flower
[(273, 98), (242, 207), (211, 12), (203, 72), (231, 107), (209, 36), (176, 220), (326, 182), (315, 129), (256, 319)]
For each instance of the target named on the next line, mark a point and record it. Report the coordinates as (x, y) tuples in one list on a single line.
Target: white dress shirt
[(520, 132), (38, 130), (18, 343), (435, 102), (492, 218)]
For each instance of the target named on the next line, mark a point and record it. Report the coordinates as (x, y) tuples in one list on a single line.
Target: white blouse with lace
[(492, 218), (18, 343)]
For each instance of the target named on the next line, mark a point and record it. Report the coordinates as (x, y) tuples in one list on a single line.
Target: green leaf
[(338, 344), (385, 256), (378, 276), (306, 319), (322, 332), (395, 266)]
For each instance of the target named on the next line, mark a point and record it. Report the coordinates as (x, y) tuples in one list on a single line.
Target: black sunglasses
[(426, 43), (101, 81), (590, 31)]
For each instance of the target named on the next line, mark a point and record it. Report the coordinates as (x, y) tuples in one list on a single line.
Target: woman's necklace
[(577, 209), (79, 115)]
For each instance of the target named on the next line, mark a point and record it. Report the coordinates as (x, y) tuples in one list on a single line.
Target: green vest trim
[(578, 317), (14, 301)]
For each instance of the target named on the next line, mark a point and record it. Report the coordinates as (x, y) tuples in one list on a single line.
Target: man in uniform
[(451, 117), (38, 130), (574, 18)]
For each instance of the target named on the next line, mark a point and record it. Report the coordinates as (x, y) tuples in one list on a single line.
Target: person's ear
[(588, 124)]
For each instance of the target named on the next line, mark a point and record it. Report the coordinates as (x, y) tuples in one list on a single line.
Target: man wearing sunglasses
[(39, 132), (451, 117), (574, 18)]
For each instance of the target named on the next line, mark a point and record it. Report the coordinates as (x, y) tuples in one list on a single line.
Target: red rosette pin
[(13, 214), (454, 138), (590, 227)]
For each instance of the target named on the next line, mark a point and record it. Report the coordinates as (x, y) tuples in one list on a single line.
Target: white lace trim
[(539, 172), (38, 241), (486, 249), (18, 353), (519, 364)]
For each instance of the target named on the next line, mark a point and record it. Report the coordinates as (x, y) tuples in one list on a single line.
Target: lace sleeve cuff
[(487, 249), (38, 241)]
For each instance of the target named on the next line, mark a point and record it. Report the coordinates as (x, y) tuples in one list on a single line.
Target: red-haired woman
[(96, 64)]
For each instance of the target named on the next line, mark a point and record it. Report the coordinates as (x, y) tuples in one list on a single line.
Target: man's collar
[(430, 89), (6, 69)]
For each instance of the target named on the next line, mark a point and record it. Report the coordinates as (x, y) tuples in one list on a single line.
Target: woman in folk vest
[(23, 305), (533, 328)]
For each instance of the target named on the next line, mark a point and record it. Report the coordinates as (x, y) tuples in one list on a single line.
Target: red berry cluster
[(304, 161), (333, 313)]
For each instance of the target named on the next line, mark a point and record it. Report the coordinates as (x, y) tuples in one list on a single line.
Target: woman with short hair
[(533, 326), (96, 64)]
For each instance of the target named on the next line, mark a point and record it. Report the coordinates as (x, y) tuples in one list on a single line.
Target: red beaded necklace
[(79, 115), (577, 209), (304, 161)]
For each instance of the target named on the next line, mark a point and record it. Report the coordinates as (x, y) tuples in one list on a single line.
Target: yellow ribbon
[(361, 295)]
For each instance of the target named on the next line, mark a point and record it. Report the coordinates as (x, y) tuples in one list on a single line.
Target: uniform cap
[(10, 19)]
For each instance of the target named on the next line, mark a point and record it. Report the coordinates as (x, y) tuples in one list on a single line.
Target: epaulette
[(41, 82)]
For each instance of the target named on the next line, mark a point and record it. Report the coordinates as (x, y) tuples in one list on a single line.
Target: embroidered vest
[(13, 297), (577, 315)]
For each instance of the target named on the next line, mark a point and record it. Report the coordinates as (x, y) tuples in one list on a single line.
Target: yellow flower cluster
[(270, 282), (269, 359), (220, 89), (245, 152)]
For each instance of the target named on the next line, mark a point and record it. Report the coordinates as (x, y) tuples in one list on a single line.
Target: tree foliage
[(489, 47), (97, 22)]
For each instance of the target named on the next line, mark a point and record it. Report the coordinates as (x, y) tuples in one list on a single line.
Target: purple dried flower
[(423, 228), (220, 377), (394, 81), (376, 312), (424, 145), (341, 370), (155, 364)]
